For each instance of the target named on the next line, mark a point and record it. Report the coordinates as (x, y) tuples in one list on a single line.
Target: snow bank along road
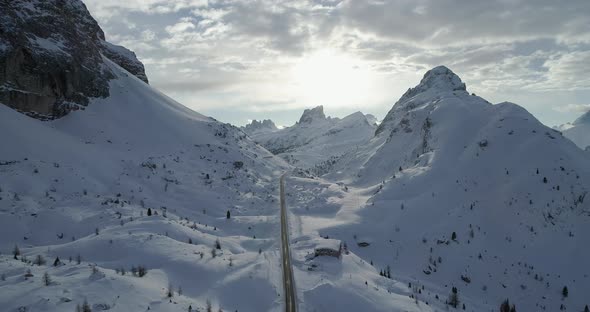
[(288, 283)]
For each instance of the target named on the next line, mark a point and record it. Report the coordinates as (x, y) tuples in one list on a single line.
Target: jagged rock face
[(260, 126), (371, 119), (124, 58), (439, 80), (311, 115), (51, 57)]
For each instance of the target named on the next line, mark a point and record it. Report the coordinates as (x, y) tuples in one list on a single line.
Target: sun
[(331, 79)]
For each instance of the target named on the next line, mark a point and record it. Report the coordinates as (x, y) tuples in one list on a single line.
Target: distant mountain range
[(315, 140)]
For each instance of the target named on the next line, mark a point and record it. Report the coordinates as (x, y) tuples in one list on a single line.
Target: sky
[(238, 60)]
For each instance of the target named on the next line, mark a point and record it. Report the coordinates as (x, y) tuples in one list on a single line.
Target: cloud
[(572, 108), (455, 22), (238, 54)]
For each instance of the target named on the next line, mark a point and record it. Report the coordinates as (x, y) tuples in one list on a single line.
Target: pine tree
[(56, 262), (16, 252), (217, 244), (586, 309), (86, 307), (564, 292), (46, 279), (170, 292), (227, 215), (149, 213), (513, 308), (545, 180), (39, 260), (505, 306), (454, 236), (141, 271), (454, 298)]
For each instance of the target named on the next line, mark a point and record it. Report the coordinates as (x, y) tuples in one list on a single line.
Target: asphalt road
[(288, 282)]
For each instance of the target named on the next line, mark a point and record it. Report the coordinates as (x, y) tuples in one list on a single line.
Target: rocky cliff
[(52, 57)]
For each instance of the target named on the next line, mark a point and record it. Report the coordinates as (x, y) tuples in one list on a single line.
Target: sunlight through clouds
[(278, 57)]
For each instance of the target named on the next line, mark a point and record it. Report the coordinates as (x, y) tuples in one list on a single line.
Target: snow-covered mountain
[(257, 127), (316, 141), (453, 191), (578, 131), (447, 191)]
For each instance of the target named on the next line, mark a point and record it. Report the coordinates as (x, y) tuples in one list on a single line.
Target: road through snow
[(288, 282)]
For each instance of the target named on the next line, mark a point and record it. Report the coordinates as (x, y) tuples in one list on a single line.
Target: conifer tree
[(16, 252), (46, 279)]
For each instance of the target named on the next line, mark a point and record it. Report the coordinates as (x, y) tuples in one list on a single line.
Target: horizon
[(238, 61)]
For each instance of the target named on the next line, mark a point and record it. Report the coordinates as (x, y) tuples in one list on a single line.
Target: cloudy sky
[(238, 60)]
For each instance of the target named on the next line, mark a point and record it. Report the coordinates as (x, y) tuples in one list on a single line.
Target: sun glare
[(331, 79)]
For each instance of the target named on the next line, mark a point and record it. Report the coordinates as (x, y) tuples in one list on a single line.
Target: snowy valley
[(115, 197)]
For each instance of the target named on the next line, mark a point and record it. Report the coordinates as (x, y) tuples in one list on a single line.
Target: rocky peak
[(441, 78), (312, 115), (438, 79), (371, 119), (256, 126), (51, 57), (437, 82)]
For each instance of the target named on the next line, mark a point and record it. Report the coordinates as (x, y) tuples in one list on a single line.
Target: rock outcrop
[(256, 126), (439, 80), (52, 57), (311, 115)]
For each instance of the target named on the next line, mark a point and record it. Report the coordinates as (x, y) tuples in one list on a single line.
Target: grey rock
[(312, 115), (52, 57)]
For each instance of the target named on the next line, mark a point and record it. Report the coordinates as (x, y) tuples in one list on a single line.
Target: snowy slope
[(316, 140), (443, 161), (578, 131), (99, 170)]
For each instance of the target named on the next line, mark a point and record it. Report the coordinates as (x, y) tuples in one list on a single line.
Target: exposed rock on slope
[(51, 57), (311, 115), (256, 126)]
